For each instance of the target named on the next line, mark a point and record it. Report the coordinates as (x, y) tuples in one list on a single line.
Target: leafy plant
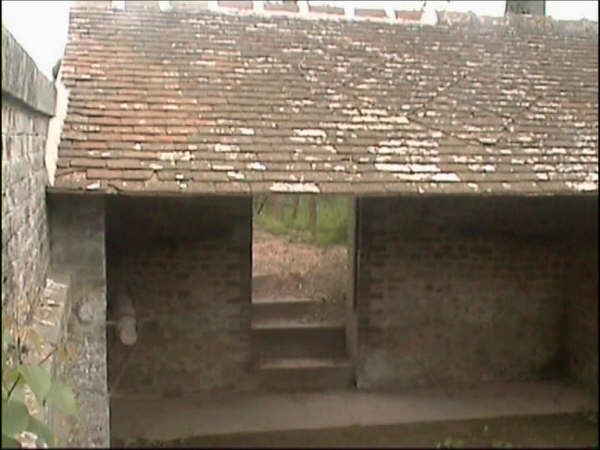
[(16, 378)]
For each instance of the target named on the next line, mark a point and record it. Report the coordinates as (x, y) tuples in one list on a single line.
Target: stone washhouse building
[(467, 147)]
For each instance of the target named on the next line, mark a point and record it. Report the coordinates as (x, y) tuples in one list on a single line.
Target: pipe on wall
[(126, 319)]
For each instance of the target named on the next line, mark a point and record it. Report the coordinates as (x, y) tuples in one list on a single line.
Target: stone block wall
[(77, 232), (186, 264), (460, 290), (28, 100)]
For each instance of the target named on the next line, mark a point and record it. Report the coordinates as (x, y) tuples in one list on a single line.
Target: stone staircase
[(295, 350)]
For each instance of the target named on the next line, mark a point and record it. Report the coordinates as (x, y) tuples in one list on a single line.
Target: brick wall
[(77, 230), (461, 290), (27, 105), (582, 311), (186, 263)]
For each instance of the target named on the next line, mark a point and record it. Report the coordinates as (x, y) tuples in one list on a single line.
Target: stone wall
[(28, 100), (460, 290), (186, 265), (77, 234)]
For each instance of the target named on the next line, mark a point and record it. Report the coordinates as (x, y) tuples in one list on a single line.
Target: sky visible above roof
[(41, 26)]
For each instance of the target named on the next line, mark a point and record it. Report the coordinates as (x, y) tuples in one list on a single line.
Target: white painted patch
[(247, 131), (339, 168), (226, 148), (155, 166), (430, 168), (443, 177), (482, 168), (222, 167), (543, 168), (385, 167), (421, 143), (365, 119), (412, 176), (137, 146), (172, 156), (488, 140), (310, 132), (557, 151), (374, 112), (294, 187), (235, 175), (257, 166), (589, 184), (93, 186), (165, 5), (179, 176), (381, 159)]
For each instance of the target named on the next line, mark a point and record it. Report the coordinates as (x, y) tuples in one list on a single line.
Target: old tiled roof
[(196, 100)]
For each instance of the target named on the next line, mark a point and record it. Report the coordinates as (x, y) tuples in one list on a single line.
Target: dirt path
[(296, 269), (558, 431)]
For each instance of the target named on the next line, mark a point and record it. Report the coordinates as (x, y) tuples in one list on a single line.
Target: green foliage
[(332, 220), (16, 376)]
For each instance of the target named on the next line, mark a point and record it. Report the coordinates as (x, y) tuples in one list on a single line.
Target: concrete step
[(277, 338), (287, 323), (305, 374), (289, 309)]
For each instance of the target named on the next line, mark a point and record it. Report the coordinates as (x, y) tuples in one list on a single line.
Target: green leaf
[(37, 379), (14, 417), (41, 430), (62, 397), (7, 339), (8, 442), (18, 394)]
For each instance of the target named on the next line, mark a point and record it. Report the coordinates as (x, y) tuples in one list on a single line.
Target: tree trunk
[(533, 7), (312, 214), (277, 202), (295, 208)]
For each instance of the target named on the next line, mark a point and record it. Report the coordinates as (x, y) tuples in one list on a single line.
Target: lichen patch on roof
[(194, 99)]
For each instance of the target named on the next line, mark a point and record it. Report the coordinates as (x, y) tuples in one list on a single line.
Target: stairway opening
[(301, 285)]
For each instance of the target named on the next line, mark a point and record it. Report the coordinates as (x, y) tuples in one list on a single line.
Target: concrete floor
[(177, 418)]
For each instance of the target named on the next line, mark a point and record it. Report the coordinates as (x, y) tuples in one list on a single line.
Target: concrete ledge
[(22, 79), (170, 419)]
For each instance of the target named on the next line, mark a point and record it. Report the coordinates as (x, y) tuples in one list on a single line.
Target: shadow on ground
[(559, 430)]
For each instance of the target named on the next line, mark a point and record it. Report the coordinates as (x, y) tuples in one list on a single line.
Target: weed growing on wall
[(17, 379)]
